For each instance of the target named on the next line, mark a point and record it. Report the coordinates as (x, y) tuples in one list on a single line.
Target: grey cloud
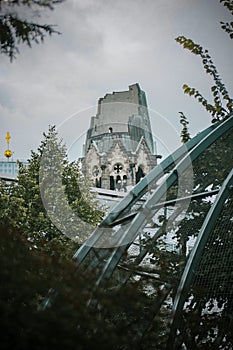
[(104, 47)]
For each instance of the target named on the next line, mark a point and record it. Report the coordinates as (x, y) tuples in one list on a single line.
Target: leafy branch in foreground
[(43, 3), (222, 102), (14, 30), (228, 27), (185, 135)]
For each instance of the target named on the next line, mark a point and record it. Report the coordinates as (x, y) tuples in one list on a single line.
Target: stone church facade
[(119, 148)]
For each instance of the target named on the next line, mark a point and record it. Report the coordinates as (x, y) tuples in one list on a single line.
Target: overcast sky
[(105, 46)]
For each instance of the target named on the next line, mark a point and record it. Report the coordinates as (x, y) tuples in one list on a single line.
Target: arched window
[(112, 183), (124, 185), (98, 182), (118, 182), (139, 174), (96, 174), (110, 130)]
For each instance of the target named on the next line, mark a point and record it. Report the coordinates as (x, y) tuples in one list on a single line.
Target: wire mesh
[(206, 320)]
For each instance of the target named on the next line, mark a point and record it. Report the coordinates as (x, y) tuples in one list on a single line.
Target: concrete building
[(119, 148)]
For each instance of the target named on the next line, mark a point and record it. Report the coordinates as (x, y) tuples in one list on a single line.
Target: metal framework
[(137, 193), (124, 227), (111, 244)]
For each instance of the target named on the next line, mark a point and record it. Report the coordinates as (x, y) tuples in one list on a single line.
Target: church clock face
[(95, 171)]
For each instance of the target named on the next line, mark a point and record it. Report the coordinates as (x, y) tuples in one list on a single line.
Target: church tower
[(119, 148)]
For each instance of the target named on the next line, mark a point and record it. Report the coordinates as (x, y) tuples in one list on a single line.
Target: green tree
[(34, 264), (14, 29), (51, 202)]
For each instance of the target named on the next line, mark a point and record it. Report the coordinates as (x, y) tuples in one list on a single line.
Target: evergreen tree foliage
[(15, 30), (51, 200)]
